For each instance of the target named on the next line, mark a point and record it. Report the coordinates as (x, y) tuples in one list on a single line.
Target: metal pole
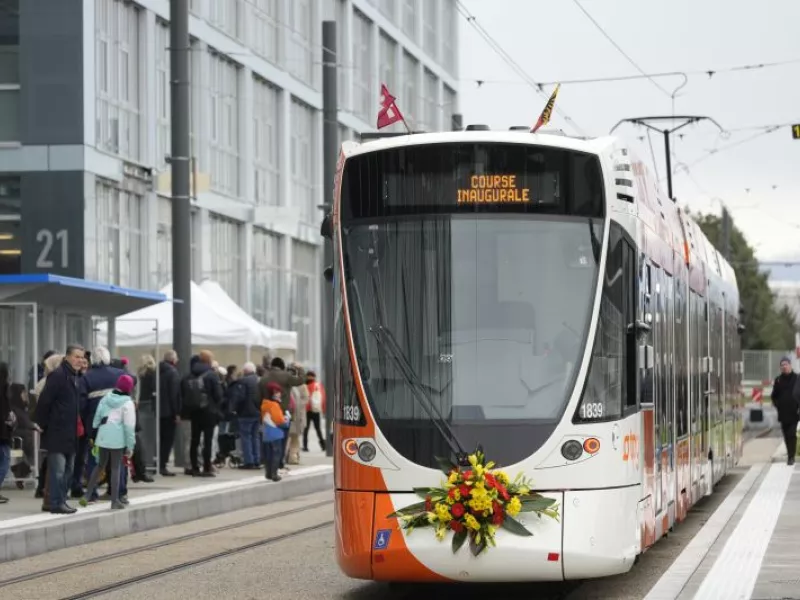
[(669, 163), (181, 163), (330, 112), (157, 407)]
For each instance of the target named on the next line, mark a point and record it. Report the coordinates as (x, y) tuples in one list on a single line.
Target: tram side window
[(681, 392), (612, 372)]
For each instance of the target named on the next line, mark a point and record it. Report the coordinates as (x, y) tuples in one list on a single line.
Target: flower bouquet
[(473, 503)]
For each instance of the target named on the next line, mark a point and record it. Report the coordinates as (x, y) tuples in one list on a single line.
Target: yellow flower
[(440, 533), (431, 517), (513, 507), (443, 512), (453, 477), (502, 477), (479, 470), (473, 460), (449, 501), (471, 522), (457, 495)]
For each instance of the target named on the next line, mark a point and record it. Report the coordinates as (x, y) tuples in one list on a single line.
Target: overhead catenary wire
[(619, 48), (661, 74), (509, 60)]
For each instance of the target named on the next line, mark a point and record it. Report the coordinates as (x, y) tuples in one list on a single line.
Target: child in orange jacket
[(276, 422)]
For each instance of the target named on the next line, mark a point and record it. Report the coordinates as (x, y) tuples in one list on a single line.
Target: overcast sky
[(553, 40)]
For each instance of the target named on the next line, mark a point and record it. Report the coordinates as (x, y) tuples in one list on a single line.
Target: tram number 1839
[(351, 414), (592, 410)]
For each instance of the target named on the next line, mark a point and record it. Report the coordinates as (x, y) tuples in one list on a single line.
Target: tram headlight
[(572, 450), (367, 451)]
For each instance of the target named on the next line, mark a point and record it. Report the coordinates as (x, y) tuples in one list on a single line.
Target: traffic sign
[(796, 132), (757, 395)]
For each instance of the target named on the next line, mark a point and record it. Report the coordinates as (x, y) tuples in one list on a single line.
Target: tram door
[(658, 382)]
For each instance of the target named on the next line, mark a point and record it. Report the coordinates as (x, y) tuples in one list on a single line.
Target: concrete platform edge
[(74, 530)]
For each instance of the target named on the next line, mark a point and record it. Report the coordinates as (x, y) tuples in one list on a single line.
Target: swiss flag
[(389, 112)]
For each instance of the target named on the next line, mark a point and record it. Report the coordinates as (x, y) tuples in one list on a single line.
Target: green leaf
[(474, 547), (513, 526), (458, 540), (536, 503), (408, 510), (446, 465), (424, 492)]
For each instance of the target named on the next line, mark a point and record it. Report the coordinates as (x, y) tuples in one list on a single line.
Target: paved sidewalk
[(26, 531)]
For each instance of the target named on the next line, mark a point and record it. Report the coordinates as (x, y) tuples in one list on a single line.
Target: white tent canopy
[(210, 325), (226, 305)]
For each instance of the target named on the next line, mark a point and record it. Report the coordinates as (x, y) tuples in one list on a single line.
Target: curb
[(64, 531)]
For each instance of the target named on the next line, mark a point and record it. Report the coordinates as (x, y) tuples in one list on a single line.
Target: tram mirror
[(328, 274), (326, 229)]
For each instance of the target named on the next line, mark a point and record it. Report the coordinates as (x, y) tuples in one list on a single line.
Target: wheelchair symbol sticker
[(382, 539)]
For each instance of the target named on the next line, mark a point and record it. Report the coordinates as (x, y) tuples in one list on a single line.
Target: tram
[(534, 295)]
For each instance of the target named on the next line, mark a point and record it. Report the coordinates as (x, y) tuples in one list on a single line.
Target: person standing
[(169, 398), (7, 419), (57, 415), (314, 409), (115, 421), (786, 398), (202, 399), (246, 403)]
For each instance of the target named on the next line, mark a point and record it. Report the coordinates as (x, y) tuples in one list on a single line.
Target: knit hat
[(273, 388), (786, 359), (125, 384)]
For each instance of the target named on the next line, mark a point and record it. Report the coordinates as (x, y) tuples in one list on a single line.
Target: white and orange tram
[(536, 295)]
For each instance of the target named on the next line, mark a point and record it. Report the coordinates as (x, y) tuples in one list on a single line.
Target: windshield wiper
[(387, 341)]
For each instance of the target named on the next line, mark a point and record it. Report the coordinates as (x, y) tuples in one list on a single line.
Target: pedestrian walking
[(786, 398)]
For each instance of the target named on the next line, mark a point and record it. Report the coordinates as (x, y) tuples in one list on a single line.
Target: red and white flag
[(389, 112)]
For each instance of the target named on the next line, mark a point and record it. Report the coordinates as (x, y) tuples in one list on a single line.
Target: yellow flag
[(544, 118)]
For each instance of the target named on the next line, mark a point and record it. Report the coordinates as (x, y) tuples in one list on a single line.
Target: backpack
[(196, 397), (316, 400)]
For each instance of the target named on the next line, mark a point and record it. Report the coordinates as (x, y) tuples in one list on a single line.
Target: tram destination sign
[(493, 189)]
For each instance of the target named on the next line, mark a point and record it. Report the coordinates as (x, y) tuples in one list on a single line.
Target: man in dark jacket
[(201, 396), (786, 398), (246, 403), (169, 383), (57, 414)]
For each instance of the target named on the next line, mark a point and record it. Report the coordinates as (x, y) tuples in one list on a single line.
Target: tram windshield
[(472, 267)]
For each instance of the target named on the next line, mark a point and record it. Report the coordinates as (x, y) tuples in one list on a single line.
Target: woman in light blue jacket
[(115, 421)]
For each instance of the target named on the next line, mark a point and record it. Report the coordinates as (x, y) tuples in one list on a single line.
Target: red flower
[(464, 489), (498, 517), (456, 526), (428, 504), (491, 482), (458, 510), (503, 492), (452, 493), (467, 474)]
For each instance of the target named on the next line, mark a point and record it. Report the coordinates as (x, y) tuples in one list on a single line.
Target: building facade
[(85, 137)]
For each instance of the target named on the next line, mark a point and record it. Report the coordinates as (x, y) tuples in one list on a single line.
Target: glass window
[(9, 72), (10, 203), (410, 8), (342, 41), (10, 247), (267, 277), (387, 7), (386, 60), (265, 143), (120, 236), (449, 35), (163, 94), (364, 98), (224, 14), (303, 163), (224, 138), (430, 105), (303, 295), (448, 108), (226, 255), (117, 74), (410, 99), (610, 384), (301, 42), (265, 23), (430, 26)]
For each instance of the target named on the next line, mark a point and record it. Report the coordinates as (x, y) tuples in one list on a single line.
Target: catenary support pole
[(330, 135), (180, 160), (726, 233)]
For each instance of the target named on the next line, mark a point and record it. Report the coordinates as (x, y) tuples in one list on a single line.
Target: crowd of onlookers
[(85, 408)]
